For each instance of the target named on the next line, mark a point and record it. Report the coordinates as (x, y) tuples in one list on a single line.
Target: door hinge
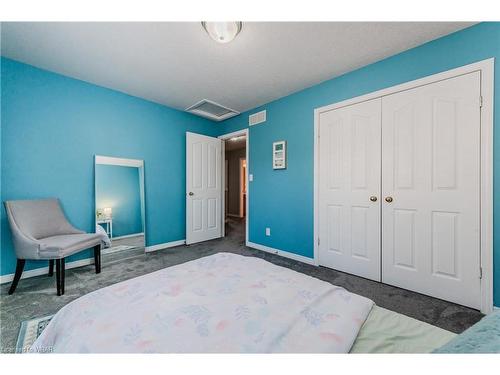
[(318, 241), (480, 272), (480, 102)]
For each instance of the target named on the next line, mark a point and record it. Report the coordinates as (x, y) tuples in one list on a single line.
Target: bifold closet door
[(349, 189), (431, 189)]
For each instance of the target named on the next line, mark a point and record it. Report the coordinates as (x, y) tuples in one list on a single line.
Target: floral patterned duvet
[(221, 303)]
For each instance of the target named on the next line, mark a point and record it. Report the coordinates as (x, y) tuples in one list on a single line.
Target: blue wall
[(52, 126), (283, 200), (118, 187)]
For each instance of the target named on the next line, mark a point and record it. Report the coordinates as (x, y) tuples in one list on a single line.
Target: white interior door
[(203, 188), (349, 189), (431, 171)]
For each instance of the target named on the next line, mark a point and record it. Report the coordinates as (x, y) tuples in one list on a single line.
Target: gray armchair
[(40, 231)]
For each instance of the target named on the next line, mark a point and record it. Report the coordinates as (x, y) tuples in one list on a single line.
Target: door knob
[(388, 199), (191, 193), (373, 198)]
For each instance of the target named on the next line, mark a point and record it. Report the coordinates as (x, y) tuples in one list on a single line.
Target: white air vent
[(257, 118), (211, 110)]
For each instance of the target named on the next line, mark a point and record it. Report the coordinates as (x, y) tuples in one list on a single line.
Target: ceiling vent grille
[(257, 118), (211, 110)]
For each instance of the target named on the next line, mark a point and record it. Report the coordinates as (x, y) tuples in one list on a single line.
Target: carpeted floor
[(136, 241), (36, 296), (128, 242)]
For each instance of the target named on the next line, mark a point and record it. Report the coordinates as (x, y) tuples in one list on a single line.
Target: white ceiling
[(177, 64)]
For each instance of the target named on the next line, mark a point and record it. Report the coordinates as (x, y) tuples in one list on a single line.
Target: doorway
[(235, 146)]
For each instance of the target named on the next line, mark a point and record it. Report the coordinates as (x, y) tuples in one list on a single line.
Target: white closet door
[(349, 189), (431, 170), (204, 190)]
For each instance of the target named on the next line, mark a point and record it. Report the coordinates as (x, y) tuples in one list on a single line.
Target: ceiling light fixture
[(222, 32)]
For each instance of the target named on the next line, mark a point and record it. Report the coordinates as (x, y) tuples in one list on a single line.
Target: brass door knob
[(373, 198), (388, 199), (191, 193)]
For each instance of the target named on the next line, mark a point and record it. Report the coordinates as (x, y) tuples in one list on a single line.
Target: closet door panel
[(349, 174), (431, 170)]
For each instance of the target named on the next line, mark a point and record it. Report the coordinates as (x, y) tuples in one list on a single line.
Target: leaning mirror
[(119, 203)]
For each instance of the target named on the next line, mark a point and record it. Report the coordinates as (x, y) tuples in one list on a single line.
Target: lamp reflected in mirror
[(108, 212)]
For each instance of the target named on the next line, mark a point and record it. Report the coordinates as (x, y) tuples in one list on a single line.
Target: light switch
[(250, 177), (268, 231)]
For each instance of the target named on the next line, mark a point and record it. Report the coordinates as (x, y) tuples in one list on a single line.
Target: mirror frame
[(111, 160)]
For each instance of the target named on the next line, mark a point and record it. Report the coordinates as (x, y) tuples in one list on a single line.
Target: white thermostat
[(279, 155)]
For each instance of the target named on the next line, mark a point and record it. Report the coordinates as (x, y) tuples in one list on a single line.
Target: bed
[(227, 303), (386, 331), (482, 337)]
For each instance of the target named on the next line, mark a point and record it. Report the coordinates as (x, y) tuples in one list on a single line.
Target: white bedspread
[(220, 303)]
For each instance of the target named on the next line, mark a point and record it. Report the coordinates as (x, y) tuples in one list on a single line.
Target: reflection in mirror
[(119, 203)]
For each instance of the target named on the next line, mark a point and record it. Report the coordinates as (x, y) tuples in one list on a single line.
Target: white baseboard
[(286, 254), (165, 245), (128, 236), (45, 270)]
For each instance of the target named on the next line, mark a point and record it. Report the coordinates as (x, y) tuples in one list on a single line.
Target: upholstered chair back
[(38, 219)]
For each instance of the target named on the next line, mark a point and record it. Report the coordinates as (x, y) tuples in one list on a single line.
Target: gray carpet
[(36, 296), (136, 241)]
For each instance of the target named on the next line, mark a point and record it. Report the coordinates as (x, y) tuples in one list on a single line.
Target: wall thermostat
[(279, 155)]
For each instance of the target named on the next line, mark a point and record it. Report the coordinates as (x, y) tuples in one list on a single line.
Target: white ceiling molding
[(176, 64)]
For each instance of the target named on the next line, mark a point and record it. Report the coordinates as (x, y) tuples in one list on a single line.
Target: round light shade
[(222, 32)]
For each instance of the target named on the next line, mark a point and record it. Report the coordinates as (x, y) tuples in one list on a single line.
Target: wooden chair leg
[(17, 276), (97, 258), (58, 276), (51, 267)]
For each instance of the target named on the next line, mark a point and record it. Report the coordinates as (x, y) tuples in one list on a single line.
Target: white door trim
[(224, 137), (241, 192), (486, 67)]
